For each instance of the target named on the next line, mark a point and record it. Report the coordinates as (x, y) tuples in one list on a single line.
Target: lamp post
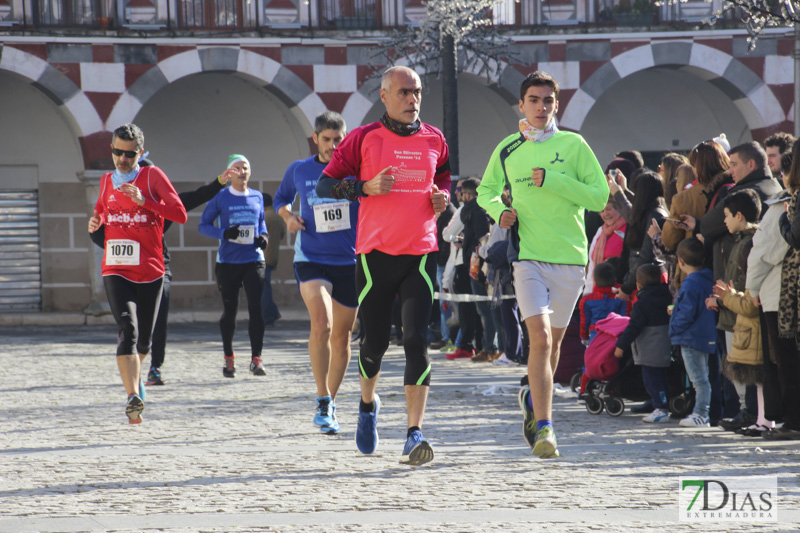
[(450, 101)]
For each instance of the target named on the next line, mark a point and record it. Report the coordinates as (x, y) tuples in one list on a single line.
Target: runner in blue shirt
[(324, 263), (236, 217)]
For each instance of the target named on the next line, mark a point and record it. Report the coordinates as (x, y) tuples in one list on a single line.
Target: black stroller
[(628, 385)]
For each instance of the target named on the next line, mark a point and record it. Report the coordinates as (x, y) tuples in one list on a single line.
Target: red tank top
[(133, 247)]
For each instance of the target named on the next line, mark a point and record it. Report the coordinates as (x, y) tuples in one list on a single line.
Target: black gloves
[(232, 232)]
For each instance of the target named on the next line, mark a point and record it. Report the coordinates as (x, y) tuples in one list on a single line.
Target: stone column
[(99, 304), (796, 55)]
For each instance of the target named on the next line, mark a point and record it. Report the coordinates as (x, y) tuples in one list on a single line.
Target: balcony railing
[(65, 12), (350, 14), (342, 15), (211, 14)]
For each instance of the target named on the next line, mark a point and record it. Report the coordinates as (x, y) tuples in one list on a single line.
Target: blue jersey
[(334, 243), (231, 207)]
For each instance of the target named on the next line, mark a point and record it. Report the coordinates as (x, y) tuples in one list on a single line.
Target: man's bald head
[(401, 93), (391, 72)]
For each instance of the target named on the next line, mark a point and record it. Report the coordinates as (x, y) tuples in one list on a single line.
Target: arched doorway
[(661, 109), (191, 126), (42, 204)]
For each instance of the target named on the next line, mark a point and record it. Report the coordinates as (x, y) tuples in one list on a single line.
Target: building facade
[(206, 78)]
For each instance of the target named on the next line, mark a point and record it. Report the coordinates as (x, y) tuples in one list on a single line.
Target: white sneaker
[(695, 421), (658, 415), (503, 361)]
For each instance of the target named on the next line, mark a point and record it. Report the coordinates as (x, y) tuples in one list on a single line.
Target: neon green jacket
[(551, 226)]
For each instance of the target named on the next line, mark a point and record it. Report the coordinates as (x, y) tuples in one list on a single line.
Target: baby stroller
[(610, 381), (610, 395), (600, 365)]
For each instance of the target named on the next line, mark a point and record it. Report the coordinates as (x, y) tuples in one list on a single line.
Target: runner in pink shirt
[(402, 180)]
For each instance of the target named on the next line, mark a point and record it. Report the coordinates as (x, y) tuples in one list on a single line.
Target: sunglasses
[(130, 154)]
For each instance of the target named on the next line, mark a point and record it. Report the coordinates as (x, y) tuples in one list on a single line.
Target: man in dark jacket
[(748, 170), (476, 225), (276, 228), (476, 232)]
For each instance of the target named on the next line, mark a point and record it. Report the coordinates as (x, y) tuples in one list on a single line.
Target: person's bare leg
[(540, 369), (416, 399), (316, 296), (129, 370), (344, 319), (416, 452), (557, 335), (368, 387)]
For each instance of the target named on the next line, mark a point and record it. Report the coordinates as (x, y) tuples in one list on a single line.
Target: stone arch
[(748, 92), (77, 108), (295, 93)]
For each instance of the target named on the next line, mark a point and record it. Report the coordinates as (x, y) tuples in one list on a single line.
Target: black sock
[(411, 430), (366, 407)]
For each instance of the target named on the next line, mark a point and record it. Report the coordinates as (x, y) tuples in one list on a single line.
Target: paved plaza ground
[(216, 454)]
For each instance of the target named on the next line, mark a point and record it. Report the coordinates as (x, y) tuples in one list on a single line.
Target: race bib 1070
[(122, 252)]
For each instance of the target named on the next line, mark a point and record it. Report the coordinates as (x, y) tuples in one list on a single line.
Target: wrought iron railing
[(350, 14), (235, 15), (66, 12), (216, 13)]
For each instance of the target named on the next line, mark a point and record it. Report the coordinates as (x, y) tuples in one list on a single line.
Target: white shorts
[(548, 289)]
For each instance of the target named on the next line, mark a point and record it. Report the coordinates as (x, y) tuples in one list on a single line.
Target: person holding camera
[(242, 233)]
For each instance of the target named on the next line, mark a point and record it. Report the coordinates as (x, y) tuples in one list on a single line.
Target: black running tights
[(134, 306)]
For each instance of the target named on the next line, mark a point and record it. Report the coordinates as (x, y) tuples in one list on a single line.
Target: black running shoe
[(742, 419), (528, 418), (256, 368), (154, 377), (229, 370)]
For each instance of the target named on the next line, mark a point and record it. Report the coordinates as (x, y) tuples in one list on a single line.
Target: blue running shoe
[(417, 450), (154, 377), (333, 429), (142, 393), (323, 417), (367, 431)]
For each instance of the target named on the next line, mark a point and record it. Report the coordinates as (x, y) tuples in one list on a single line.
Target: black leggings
[(379, 277), (134, 306), (160, 329), (467, 312), (230, 277)]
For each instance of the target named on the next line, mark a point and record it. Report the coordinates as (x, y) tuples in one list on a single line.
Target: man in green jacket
[(552, 176)]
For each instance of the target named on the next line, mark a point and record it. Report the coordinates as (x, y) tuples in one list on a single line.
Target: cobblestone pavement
[(216, 454)]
